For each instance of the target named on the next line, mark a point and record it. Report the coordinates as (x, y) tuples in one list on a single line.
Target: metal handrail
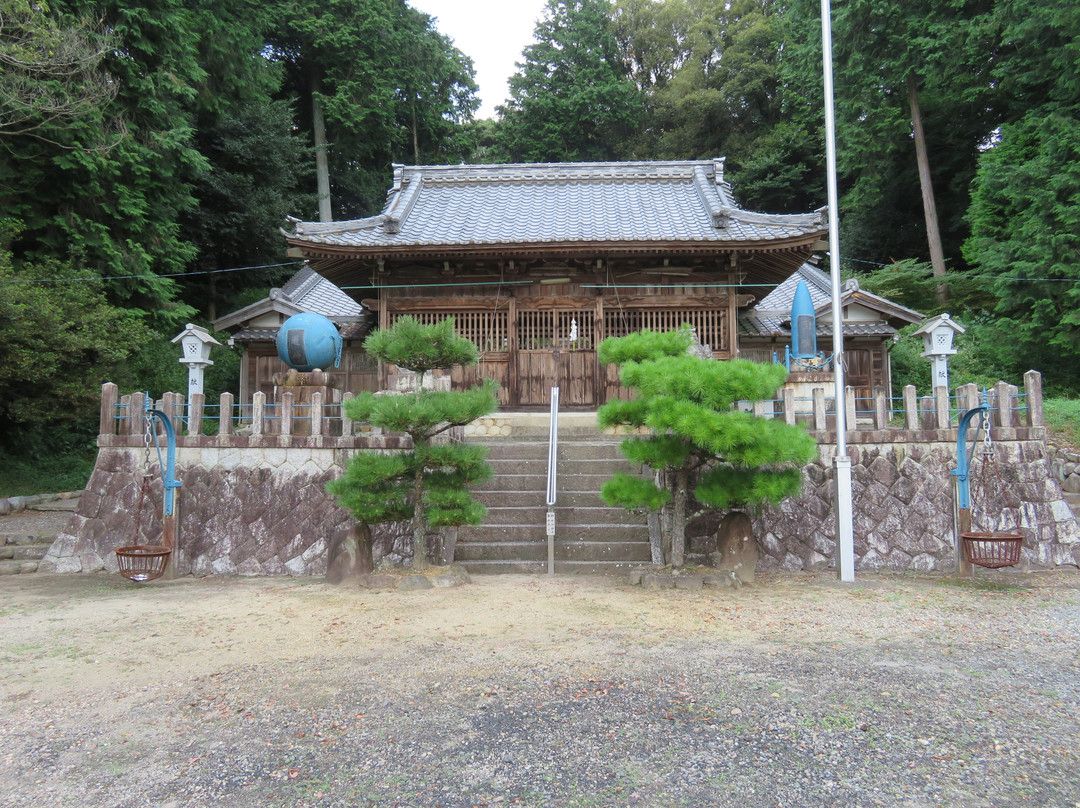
[(552, 471)]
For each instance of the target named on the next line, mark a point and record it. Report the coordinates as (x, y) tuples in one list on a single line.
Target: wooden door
[(858, 373), (555, 348)]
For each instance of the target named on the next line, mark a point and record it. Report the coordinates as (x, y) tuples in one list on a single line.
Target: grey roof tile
[(542, 203)]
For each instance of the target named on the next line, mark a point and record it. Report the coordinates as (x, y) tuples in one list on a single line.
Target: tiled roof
[(559, 203), (772, 316), (312, 292)]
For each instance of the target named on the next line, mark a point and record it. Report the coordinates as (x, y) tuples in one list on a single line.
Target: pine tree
[(427, 484), (689, 404), (572, 99)]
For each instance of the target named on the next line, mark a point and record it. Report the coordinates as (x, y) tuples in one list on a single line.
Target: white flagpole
[(842, 505)]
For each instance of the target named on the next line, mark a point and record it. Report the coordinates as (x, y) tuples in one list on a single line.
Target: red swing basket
[(992, 550)]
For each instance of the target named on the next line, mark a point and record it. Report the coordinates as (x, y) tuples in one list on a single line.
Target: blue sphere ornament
[(308, 341)]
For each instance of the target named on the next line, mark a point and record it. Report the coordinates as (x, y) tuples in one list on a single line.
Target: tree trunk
[(415, 136), (678, 518), (933, 233), (419, 527), (322, 168)]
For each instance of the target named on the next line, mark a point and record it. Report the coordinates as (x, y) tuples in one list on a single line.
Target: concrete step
[(23, 539), (23, 567), (565, 552), (540, 567), (69, 505), (489, 533), (502, 514)]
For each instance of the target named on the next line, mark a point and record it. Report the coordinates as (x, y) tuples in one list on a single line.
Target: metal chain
[(988, 442), (147, 437)]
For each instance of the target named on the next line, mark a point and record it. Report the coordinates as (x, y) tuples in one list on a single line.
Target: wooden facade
[(539, 263), (537, 335)]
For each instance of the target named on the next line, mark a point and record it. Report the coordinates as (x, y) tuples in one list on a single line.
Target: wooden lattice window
[(555, 330), (710, 325), (486, 329)]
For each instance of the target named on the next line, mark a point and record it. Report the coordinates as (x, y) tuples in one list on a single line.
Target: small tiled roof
[(549, 204), (772, 316), (312, 292), (306, 291)]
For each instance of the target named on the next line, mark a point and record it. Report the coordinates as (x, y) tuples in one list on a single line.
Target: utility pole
[(843, 505)]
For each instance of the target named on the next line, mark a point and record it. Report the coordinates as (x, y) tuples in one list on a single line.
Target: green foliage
[(634, 493), (1062, 416), (572, 99), (417, 347), (689, 405), (60, 342), (1025, 218), (430, 482)]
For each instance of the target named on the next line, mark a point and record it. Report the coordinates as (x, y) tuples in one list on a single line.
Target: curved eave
[(316, 250)]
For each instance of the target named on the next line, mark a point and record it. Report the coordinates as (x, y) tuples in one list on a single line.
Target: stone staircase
[(27, 534), (590, 537)]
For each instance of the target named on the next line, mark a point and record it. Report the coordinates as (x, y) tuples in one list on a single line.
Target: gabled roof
[(431, 209), (772, 316), (306, 291)]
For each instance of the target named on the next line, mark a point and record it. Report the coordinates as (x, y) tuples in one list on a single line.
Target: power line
[(148, 277)]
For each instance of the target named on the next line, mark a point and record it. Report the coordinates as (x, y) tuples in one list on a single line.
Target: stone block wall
[(253, 511), (903, 495)]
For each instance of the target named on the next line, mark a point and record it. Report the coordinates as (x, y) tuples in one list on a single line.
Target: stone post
[(285, 423), (941, 407), (968, 396), (195, 413), (302, 387), (1033, 389), (136, 412), (1004, 398), (820, 423), (107, 417), (881, 409), (911, 408), (258, 413), (317, 414), (225, 416), (788, 394), (346, 421), (849, 408)]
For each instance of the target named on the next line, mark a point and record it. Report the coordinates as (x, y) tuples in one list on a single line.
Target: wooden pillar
[(513, 371), (599, 373)]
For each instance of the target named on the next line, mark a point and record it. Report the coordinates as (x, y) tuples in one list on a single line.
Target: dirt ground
[(536, 691)]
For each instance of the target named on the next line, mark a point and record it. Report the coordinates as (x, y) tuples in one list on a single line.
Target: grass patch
[(1062, 416), (49, 474)]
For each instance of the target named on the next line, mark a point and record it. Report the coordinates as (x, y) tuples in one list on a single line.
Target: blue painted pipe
[(963, 457), (169, 480)]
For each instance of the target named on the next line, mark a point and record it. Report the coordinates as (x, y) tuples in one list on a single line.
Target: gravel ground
[(799, 691)]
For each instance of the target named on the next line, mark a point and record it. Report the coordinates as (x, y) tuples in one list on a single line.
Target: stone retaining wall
[(903, 520), (265, 511), (247, 512)]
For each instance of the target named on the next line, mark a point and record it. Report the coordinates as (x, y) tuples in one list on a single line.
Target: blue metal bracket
[(168, 480), (963, 456)]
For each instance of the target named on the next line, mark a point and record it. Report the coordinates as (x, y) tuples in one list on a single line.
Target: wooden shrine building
[(538, 263)]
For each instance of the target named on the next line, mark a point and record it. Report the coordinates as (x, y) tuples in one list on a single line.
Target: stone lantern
[(195, 342), (937, 334)]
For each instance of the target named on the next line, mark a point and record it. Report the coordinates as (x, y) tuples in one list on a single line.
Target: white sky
[(493, 33)]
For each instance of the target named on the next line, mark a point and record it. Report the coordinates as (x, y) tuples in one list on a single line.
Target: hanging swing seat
[(142, 562), (992, 550)]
